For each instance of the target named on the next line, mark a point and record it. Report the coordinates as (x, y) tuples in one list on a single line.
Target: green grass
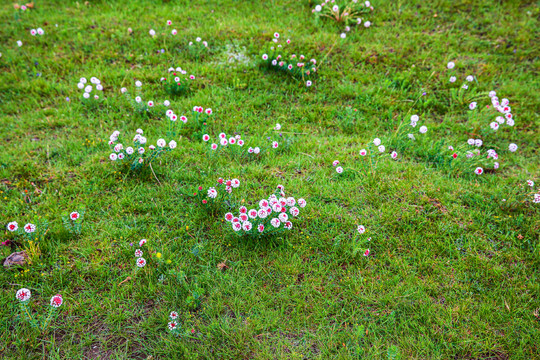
[(453, 271)]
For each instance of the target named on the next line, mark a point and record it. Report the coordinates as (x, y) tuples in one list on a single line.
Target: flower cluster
[(139, 260), (39, 31), (217, 195), (198, 49), (273, 216), (465, 93), (150, 107), (278, 58), (30, 231), (89, 98), (136, 156), (24, 295), (177, 81), (369, 160), (73, 222), (347, 14)]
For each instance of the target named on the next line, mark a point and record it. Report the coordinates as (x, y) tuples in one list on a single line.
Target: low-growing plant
[(218, 196), (136, 157), (346, 13), (40, 323), (90, 98), (177, 82), (73, 222), (198, 50), (144, 108)]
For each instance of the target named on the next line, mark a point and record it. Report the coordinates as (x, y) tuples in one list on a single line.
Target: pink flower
[(13, 226), (361, 229), (141, 262), (214, 146), (23, 294), (260, 228), (366, 253), (275, 144), (229, 216), (173, 315), (479, 171), (192, 77), (74, 215), (208, 111), (56, 301), (142, 242), (335, 163), (206, 137)]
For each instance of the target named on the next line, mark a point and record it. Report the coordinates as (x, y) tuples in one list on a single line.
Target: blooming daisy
[(141, 262), (381, 148), (252, 213), (56, 301), (288, 225), (260, 227), (236, 226), (275, 222), (173, 315), (23, 294), (13, 226), (377, 141), (74, 216), (479, 171), (214, 146), (247, 226), (229, 216), (494, 125), (235, 183), (394, 155), (129, 150), (294, 211), (172, 144), (361, 229), (423, 129), (478, 142), (283, 217), (161, 143), (265, 57), (308, 83), (452, 79), (367, 24), (212, 193), (472, 105), (172, 325), (33, 32), (339, 169), (363, 152), (138, 253), (450, 65), (302, 203), (469, 78), (150, 103), (29, 228), (512, 147)]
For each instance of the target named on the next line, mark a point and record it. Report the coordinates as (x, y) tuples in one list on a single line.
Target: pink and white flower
[(361, 229), (23, 294), (74, 216), (141, 262), (13, 226), (173, 315), (29, 228), (57, 301), (275, 222), (479, 171)]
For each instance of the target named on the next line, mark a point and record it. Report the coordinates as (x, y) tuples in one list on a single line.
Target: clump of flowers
[(30, 231), (144, 107), (273, 216), (177, 82), (198, 49), (217, 196), (90, 90), (361, 242), (136, 157), (346, 13), (23, 296), (370, 157), (73, 222), (520, 195), (279, 58), (462, 88)]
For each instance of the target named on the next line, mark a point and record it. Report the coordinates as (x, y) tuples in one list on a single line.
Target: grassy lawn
[(449, 264)]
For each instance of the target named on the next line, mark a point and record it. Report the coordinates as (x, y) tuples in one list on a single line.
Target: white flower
[(57, 301), (141, 262), (492, 94), (469, 78), (86, 95), (212, 193), (510, 122), (363, 152), (512, 147), (88, 88), (142, 140), (161, 143), (283, 217), (452, 79), (141, 150), (302, 203), (99, 87), (150, 103), (23, 294), (246, 226), (415, 118), (138, 253), (470, 141), (172, 325), (479, 171), (478, 142), (367, 24), (19, 43), (495, 165), (277, 127), (236, 226), (450, 65), (505, 102), (318, 8), (361, 229), (308, 83), (138, 99), (152, 32), (343, 35), (339, 169), (80, 86), (275, 222), (13, 226), (472, 105), (394, 155), (113, 156), (172, 144), (500, 119), (257, 150), (381, 148), (129, 150), (465, 86), (423, 129), (494, 125), (536, 199), (173, 315), (530, 183), (335, 8), (123, 90), (29, 228), (235, 183), (138, 83), (377, 141), (265, 57), (94, 80)]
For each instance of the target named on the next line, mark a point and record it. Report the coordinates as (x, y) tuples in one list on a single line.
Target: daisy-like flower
[(377, 141), (287, 225), (275, 222), (465, 86), (492, 94), (240, 142), (470, 141), (206, 137), (505, 102), (33, 32), (283, 217), (472, 105), (302, 203), (469, 78), (263, 213), (57, 301), (166, 103), (494, 125), (275, 144), (510, 122), (265, 57), (123, 90), (172, 144), (138, 83), (29, 228), (361, 229), (40, 31), (19, 43), (74, 216), (495, 165), (257, 150), (141, 262), (161, 143), (423, 129), (138, 99), (318, 8), (291, 201), (335, 8), (335, 163), (129, 150), (23, 294), (452, 79), (173, 315), (142, 242), (478, 142), (150, 103), (536, 198), (530, 183), (394, 155), (208, 111), (512, 147), (237, 226), (88, 88), (223, 142), (182, 119), (232, 141), (381, 148), (308, 83), (138, 253), (214, 146), (479, 171), (192, 77), (252, 213), (152, 32), (294, 211), (363, 152), (140, 150), (450, 65), (229, 216), (212, 193), (247, 226), (172, 325), (367, 24), (290, 67), (343, 35), (13, 226), (235, 183), (260, 228)]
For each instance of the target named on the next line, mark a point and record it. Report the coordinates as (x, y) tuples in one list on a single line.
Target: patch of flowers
[(144, 107), (271, 216), (136, 157), (346, 13), (41, 323), (279, 58), (178, 81), (370, 157), (90, 90), (30, 231), (217, 196), (198, 49)]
